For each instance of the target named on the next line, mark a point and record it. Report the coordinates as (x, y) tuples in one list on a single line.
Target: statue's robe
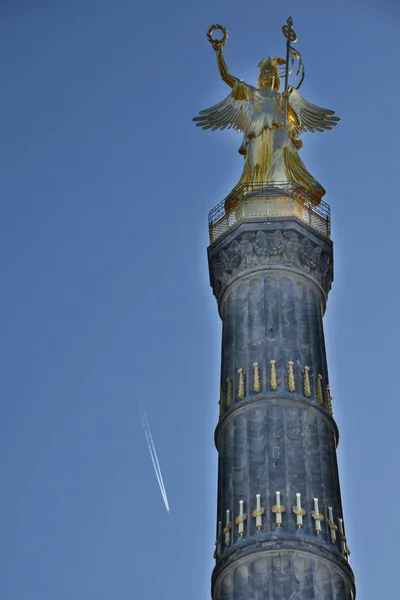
[(269, 148)]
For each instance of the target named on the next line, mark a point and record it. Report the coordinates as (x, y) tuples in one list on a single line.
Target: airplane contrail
[(154, 458), (151, 447)]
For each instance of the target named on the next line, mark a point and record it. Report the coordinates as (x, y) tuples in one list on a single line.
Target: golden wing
[(312, 118), (234, 111)]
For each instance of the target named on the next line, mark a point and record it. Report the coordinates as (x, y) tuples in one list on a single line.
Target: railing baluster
[(220, 219)]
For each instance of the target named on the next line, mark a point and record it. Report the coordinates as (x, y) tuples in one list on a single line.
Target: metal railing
[(268, 200)]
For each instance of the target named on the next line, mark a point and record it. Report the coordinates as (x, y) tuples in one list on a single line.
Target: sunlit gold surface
[(319, 517), (269, 145), (274, 383), (306, 383), (241, 392), (229, 399), (288, 31), (320, 399), (256, 382), (241, 519), (299, 512), (278, 509), (329, 400), (291, 383), (217, 42)]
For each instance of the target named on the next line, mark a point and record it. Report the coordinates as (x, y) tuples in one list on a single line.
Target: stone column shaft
[(276, 432)]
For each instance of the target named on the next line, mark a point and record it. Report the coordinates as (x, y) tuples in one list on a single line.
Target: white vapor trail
[(153, 456)]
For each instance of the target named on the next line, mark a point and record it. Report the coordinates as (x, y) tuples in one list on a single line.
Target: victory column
[(280, 532)]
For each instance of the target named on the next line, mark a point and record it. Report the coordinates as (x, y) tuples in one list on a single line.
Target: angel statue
[(271, 121)]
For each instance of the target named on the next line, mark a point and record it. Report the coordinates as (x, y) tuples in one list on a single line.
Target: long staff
[(290, 36)]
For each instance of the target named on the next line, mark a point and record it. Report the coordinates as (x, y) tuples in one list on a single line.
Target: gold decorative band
[(241, 391), (320, 399), (291, 384), (256, 384), (229, 399), (306, 385), (274, 383)]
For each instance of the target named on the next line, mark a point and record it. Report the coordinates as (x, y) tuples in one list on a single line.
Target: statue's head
[(269, 75)]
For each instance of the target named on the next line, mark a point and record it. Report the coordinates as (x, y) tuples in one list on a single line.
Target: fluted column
[(276, 436)]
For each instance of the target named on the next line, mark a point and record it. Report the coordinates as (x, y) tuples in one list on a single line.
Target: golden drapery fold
[(273, 157)]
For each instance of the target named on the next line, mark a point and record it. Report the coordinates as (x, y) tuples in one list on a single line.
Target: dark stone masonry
[(276, 432)]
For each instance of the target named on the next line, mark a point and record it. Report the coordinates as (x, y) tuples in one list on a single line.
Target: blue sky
[(106, 185)]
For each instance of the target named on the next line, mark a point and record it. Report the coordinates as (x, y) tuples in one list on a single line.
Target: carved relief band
[(278, 243)]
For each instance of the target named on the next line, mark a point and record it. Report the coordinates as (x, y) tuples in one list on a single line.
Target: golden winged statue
[(271, 121)]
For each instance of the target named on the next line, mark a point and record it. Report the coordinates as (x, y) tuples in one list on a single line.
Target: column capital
[(255, 245)]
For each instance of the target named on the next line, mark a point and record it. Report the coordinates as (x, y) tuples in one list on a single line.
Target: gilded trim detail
[(241, 391), (306, 383), (291, 382), (256, 383), (274, 382), (318, 386), (229, 399)]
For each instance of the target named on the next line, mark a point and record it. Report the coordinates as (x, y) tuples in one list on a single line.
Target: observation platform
[(268, 200)]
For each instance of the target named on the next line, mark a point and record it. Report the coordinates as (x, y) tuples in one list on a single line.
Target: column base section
[(283, 574)]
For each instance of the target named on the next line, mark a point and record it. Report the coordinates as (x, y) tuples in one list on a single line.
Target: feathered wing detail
[(312, 118), (233, 112)]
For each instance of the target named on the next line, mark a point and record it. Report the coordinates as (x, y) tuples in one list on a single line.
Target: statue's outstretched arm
[(223, 69)]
